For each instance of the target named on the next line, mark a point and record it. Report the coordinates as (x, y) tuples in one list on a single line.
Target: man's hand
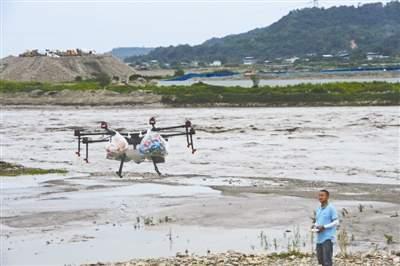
[(320, 228)]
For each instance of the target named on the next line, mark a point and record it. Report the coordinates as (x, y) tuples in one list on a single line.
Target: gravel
[(232, 258)]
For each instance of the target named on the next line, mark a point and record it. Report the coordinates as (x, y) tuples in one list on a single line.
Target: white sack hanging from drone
[(117, 147), (153, 145)]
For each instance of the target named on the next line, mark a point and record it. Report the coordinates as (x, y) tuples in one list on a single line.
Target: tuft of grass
[(9, 169), (389, 239), (343, 241)]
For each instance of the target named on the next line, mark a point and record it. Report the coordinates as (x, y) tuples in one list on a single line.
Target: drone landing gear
[(157, 160), (119, 172), (156, 168)]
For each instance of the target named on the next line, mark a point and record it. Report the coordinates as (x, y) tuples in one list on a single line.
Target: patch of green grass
[(352, 92), (9, 169), (382, 93), (7, 86)]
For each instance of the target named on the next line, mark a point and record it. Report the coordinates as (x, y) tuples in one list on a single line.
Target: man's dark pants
[(325, 252)]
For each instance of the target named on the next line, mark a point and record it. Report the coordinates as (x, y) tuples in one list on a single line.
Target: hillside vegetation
[(368, 28), (124, 52)]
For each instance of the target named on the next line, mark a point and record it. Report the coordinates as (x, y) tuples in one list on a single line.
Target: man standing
[(325, 226)]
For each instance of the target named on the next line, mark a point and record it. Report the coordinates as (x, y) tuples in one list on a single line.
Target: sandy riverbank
[(81, 98), (44, 217)]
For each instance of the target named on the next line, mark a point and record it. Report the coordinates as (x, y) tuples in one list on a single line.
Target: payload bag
[(153, 145), (117, 147)]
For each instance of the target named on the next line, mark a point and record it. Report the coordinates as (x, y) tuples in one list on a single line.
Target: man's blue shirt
[(325, 216)]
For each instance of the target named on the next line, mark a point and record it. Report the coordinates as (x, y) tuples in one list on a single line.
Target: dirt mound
[(69, 97), (61, 69)]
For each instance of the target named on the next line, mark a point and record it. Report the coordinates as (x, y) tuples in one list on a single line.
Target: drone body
[(135, 140)]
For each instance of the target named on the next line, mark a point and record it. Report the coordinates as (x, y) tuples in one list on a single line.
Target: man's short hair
[(325, 191)]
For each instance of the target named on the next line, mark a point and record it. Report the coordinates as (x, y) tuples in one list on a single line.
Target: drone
[(134, 138)]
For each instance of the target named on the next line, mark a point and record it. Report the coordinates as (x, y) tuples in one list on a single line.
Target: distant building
[(216, 63), (311, 54), (249, 60), (372, 56), (343, 55), (291, 60), (194, 64), (154, 64)]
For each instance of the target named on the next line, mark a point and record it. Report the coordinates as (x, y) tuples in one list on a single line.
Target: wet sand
[(108, 219)]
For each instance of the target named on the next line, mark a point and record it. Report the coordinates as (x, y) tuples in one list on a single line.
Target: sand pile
[(61, 69)]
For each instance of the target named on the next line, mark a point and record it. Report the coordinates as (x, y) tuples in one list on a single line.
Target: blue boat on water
[(217, 74)]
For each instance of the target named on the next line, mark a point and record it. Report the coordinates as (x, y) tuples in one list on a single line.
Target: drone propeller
[(104, 125)]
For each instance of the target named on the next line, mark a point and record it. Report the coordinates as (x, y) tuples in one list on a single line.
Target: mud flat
[(86, 219)]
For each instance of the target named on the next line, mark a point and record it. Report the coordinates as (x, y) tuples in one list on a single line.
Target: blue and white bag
[(153, 145)]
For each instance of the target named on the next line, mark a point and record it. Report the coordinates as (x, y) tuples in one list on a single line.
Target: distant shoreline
[(89, 93), (43, 104)]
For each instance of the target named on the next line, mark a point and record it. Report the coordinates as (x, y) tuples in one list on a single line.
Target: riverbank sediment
[(232, 258)]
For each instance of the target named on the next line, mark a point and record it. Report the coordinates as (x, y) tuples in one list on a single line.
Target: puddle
[(119, 243)]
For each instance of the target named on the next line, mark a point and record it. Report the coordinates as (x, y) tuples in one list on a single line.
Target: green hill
[(367, 28)]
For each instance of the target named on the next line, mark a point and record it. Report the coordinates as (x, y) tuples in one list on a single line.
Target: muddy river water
[(90, 214)]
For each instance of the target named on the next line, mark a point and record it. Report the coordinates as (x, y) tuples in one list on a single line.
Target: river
[(276, 82)]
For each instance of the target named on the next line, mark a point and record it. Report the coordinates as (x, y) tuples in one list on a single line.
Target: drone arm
[(190, 144), (79, 147), (86, 141), (168, 128), (189, 137), (82, 139)]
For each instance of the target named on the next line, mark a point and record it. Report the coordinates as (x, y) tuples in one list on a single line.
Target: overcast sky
[(102, 25)]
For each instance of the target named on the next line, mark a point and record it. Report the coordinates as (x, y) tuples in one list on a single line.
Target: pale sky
[(105, 24)]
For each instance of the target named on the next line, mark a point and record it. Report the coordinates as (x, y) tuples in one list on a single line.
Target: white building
[(249, 60), (216, 63), (194, 64), (292, 60), (373, 56)]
